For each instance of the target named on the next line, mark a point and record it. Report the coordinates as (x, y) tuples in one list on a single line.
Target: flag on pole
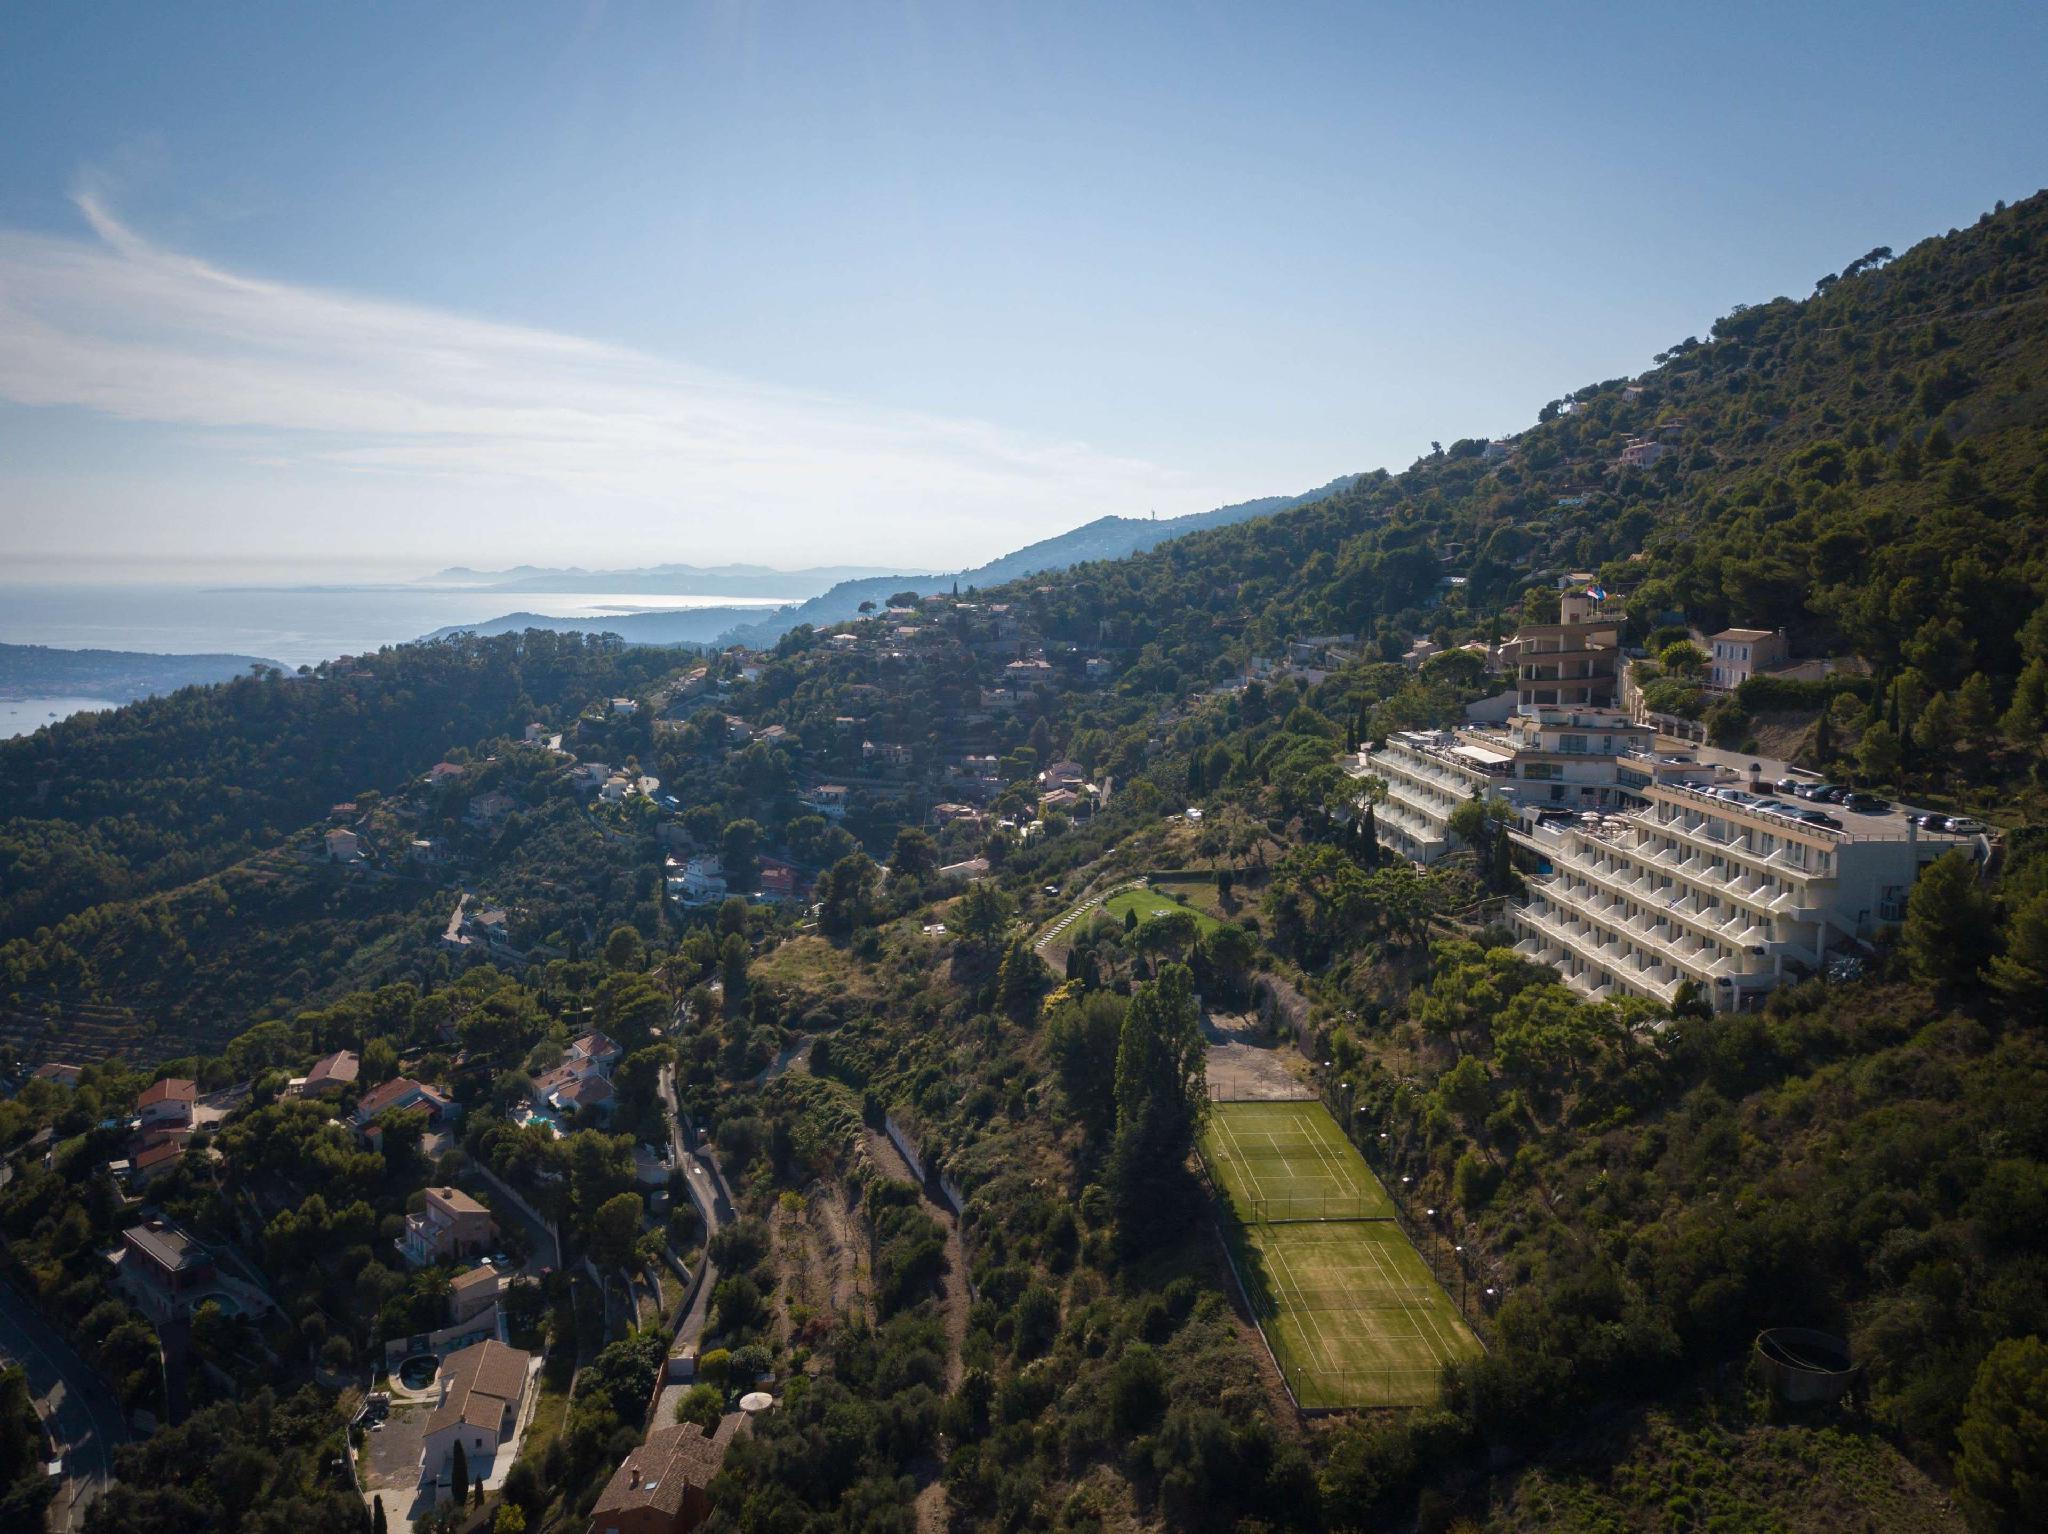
[(1597, 592)]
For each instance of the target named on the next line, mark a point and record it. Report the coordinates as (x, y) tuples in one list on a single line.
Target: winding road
[(78, 1409)]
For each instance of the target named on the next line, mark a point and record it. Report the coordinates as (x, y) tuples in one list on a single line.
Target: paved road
[(80, 1411), (707, 1192)]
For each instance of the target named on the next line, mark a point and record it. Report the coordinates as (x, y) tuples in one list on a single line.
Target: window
[(1575, 743)]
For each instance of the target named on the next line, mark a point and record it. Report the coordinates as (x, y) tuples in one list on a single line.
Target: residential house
[(442, 772), (452, 1224), (163, 1264), (596, 1051), (779, 880), (483, 1389), (1023, 673), (944, 815), (1098, 668), (589, 775), (828, 799), (167, 1104), (58, 1073), (700, 881), (575, 1084), (536, 734), (401, 1093), (660, 1488), (615, 788), (1064, 774), (426, 851), (153, 1161), (489, 809), (1642, 453), (344, 846), (624, 707), (331, 1074), (1736, 655), (474, 1293)]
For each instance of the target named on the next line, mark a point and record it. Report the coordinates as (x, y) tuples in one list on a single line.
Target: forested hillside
[(1019, 843), (107, 806)]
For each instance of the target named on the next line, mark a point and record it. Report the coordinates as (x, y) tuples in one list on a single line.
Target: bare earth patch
[(1248, 1064)]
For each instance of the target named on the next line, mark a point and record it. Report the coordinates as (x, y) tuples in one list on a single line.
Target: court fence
[(1301, 1209), (1320, 1390)]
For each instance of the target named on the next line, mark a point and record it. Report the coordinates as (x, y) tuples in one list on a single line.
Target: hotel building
[(1695, 886), (1544, 759)]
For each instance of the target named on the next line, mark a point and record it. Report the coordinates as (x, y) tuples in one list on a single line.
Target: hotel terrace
[(1733, 897), (1561, 759)]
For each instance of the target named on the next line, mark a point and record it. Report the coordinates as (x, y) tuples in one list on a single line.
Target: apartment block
[(1733, 896)]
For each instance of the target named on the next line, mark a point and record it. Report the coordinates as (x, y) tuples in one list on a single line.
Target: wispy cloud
[(329, 383)]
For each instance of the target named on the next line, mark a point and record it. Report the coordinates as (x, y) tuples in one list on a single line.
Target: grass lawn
[(1350, 1309), (1157, 901)]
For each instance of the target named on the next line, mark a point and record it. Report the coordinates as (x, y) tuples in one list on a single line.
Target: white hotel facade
[(1644, 877)]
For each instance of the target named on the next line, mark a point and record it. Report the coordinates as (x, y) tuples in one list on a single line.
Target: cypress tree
[(458, 1477)]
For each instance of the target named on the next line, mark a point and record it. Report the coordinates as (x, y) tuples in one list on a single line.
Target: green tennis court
[(1350, 1309), (1352, 1312), (1281, 1161)]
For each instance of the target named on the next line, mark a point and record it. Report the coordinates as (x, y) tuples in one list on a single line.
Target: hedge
[(1764, 694)]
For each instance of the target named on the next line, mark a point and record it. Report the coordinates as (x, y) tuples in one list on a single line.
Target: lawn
[(1157, 902), (1351, 1311)]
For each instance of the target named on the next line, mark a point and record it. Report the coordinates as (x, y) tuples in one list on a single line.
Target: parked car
[(1813, 790), (1816, 818), (1965, 825), (1930, 822), (1789, 785), (1835, 795), (1734, 796)]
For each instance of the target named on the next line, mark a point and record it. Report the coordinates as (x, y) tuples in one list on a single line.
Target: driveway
[(80, 1412)]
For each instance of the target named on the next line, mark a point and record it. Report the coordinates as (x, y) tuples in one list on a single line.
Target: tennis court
[(1350, 1309), (1283, 1161), (1352, 1312)]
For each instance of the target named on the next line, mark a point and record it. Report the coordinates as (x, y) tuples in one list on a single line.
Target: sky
[(392, 287)]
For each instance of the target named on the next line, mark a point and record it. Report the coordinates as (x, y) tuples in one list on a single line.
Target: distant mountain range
[(1104, 538), (655, 580), (122, 676)]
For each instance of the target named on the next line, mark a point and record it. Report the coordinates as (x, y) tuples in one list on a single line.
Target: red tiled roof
[(171, 1089)]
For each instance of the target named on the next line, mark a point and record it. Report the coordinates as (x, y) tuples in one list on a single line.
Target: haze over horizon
[(392, 292)]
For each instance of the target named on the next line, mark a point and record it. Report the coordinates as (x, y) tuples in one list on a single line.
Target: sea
[(292, 625)]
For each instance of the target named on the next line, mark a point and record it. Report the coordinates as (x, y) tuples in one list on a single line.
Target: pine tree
[(1976, 709), (1160, 1099), (2029, 707)]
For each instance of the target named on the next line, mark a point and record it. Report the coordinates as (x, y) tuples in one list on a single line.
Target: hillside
[(27, 671), (1105, 538), (882, 837)]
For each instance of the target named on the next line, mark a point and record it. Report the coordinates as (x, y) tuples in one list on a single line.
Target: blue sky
[(894, 283)]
